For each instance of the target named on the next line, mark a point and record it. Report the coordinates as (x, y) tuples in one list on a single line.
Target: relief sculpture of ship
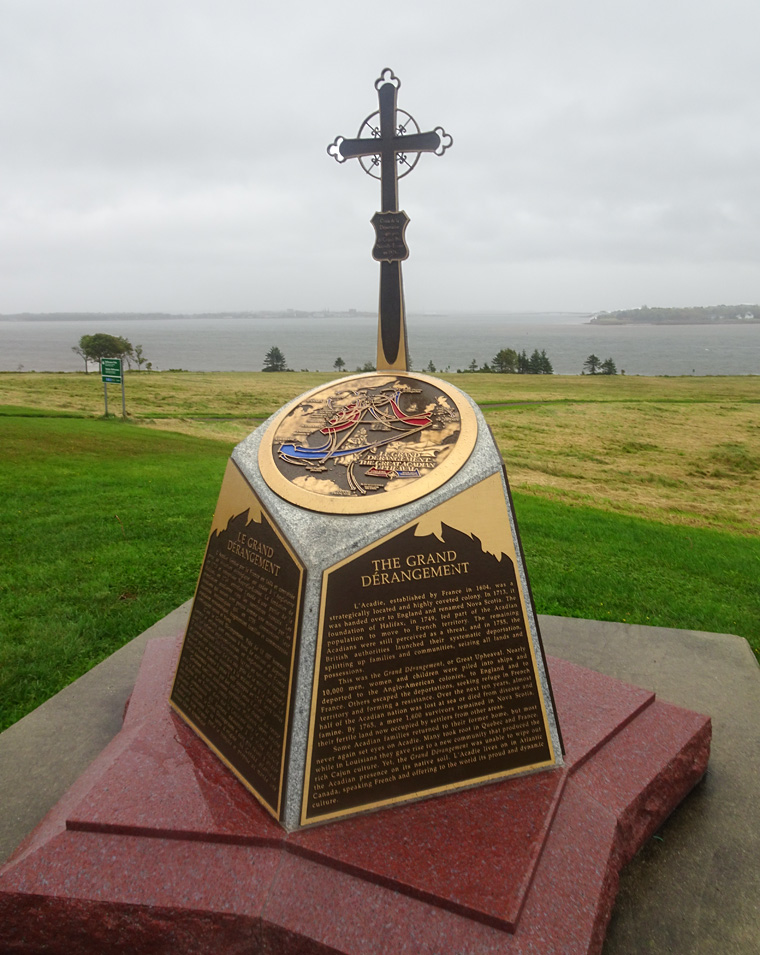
[(366, 434)]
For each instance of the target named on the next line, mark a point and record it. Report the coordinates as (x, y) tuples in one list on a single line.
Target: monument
[(362, 638), (363, 631)]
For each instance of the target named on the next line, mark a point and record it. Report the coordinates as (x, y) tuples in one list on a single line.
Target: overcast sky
[(170, 155)]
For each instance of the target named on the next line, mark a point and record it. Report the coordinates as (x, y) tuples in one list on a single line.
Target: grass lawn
[(637, 501), (104, 527), (681, 450)]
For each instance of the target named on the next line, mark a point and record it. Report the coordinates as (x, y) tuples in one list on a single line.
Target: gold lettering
[(412, 685)]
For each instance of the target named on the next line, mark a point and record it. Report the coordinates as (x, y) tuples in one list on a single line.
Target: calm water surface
[(450, 342)]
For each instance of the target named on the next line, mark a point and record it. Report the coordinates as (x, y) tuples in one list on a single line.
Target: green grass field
[(104, 530), (636, 503)]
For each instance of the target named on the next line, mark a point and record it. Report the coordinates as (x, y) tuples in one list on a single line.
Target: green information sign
[(110, 370)]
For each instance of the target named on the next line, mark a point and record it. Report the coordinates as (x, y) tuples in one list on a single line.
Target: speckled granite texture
[(157, 848)]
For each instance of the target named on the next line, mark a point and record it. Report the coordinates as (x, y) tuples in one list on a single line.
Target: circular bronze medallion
[(368, 442)]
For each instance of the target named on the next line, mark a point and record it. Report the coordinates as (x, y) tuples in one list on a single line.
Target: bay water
[(450, 342)]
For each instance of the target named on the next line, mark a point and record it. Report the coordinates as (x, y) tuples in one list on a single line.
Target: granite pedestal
[(159, 848)]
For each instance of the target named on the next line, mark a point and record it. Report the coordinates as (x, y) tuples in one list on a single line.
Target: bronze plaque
[(367, 443), (426, 674), (389, 236), (234, 677)]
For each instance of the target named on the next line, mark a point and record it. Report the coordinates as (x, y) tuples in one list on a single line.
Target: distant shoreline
[(719, 315), (169, 316), (689, 315), (673, 321), (290, 313)]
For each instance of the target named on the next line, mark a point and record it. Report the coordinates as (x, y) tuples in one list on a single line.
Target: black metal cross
[(389, 146)]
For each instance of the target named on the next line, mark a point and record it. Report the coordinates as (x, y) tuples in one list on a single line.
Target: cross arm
[(415, 143)]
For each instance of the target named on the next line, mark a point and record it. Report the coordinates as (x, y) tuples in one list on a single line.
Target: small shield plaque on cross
[(390, 245)]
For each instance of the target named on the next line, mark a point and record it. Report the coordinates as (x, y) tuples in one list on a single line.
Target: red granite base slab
[(158, 847)]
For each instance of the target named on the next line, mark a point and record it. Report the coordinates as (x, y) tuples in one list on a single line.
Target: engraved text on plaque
[(426, 672), (233, 681)]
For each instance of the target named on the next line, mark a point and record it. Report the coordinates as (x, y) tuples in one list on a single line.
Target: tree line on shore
[(595, 366), (275, 360), (507, 361), (92, 348)]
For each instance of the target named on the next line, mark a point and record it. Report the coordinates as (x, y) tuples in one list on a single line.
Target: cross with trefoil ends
[(394, 142)]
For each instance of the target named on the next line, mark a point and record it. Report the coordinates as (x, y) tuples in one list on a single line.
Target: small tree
[(430, 367), (591, 364), (274, 360), (94, 347), (339, 364), (608, 367), (505, 361), (78, 350), (539, 363), (523, 363), (139, 357), (473, 366)]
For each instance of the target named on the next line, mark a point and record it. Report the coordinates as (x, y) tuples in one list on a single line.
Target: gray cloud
[(172, 155)]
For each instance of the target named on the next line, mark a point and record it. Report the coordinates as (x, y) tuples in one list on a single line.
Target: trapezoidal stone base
[(373, 641), (158, 848)]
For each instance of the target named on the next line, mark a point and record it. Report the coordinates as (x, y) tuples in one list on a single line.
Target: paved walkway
[(692, 890)]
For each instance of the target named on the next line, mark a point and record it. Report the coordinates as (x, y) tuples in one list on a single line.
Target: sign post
[(111, 371)]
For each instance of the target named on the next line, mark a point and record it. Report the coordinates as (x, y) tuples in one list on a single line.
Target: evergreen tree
[(339, 364), (608, 367), (534, 363), (275, 360), (591, 364), (523, 363), (505, 361), (543, 364)]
